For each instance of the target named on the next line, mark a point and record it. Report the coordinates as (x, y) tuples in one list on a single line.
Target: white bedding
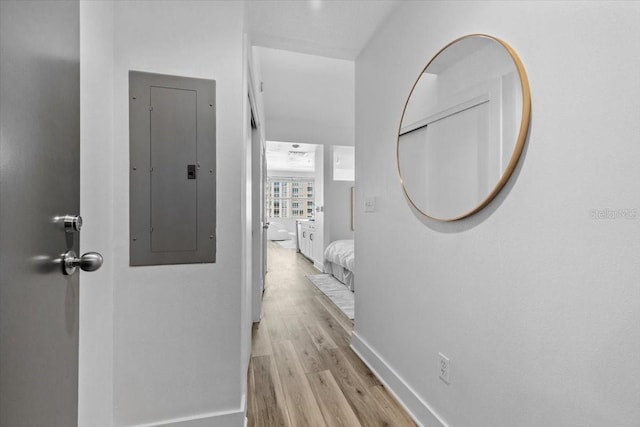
[(340, 252), (338, 261)]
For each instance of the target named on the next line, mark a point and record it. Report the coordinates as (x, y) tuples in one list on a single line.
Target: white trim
[(243, 402), (246, 229), (421, 412), (233, 418), (250, 83), (257, 155), (447, 112)]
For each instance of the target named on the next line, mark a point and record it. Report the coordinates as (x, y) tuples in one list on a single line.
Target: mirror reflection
[(463, 127)]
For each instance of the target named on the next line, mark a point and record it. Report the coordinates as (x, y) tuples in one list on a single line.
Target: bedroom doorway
[(309, 204), (293, 199)]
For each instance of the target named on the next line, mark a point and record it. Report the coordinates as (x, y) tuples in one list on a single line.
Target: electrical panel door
[(172, 176)]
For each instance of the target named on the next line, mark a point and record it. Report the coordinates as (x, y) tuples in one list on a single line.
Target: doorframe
[(258, 148)]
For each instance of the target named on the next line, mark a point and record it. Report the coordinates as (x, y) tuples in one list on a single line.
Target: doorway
[(293, 198)]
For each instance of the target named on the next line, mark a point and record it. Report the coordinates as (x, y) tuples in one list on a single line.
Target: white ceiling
[(305, 51), (290, 156), (332, 28), (307, 98)]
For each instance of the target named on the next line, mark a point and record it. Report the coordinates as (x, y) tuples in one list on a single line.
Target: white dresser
[(305, 234)]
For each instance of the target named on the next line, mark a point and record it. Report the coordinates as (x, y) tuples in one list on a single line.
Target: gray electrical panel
[(172, 184)]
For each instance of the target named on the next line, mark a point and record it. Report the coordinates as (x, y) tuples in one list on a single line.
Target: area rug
[(287, 244), (336, 291)]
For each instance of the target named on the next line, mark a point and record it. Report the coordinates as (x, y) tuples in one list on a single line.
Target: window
[(289, 197)]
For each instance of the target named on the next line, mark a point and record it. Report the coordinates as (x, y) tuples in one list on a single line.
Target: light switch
[(369, 204)]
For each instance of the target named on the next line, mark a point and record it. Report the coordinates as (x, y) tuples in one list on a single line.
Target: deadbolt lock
[(72, 223)]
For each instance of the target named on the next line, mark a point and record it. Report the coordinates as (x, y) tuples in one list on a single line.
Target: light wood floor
[(302, 371)]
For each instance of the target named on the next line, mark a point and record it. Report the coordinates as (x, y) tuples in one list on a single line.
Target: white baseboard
[(217, 419), (419, 410)]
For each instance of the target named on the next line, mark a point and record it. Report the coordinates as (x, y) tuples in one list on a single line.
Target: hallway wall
[(177, 339), (337, 203), (535, 300)]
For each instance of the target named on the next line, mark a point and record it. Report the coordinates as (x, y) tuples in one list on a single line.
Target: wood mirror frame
[(520, 132)]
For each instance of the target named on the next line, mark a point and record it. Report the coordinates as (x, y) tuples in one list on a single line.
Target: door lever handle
[(91, 261)]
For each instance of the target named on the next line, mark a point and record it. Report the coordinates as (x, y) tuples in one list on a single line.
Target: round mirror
[(463, 127)]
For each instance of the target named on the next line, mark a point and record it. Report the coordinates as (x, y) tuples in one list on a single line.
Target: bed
[(338, 261)]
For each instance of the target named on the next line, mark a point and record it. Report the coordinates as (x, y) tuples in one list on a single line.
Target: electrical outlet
[(444, 368)]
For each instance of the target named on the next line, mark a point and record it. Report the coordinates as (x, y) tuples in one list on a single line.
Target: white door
[(263, 207), (39, 185), (259, 224)]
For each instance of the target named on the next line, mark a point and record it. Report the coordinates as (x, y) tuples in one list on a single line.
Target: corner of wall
[(395, 384), (96, 343)]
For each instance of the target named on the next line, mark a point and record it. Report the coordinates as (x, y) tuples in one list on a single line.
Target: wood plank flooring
[(302, 371)]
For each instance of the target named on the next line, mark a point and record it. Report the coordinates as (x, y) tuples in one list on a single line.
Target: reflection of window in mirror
[(343, 163)]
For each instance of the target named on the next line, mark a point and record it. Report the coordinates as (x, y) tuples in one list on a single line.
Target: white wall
[(337, 201), (95, 389), (536, 302), (178, 327)]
